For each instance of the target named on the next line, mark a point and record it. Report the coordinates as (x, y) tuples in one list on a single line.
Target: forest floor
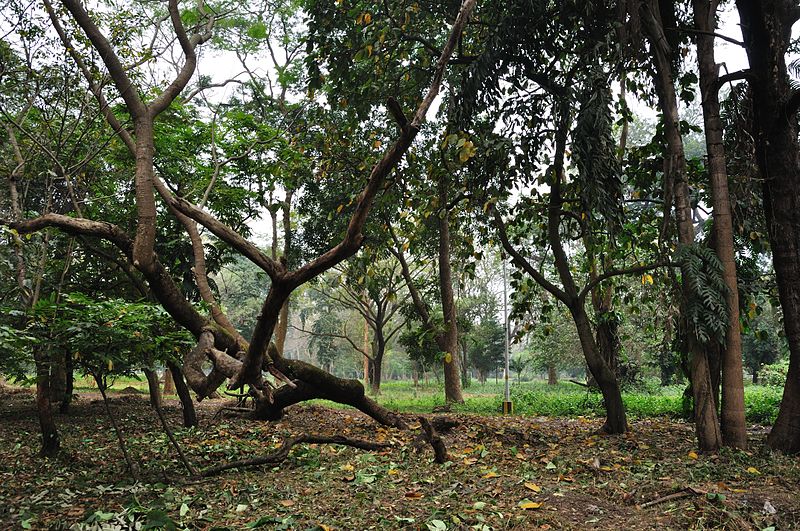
[(504, 473)]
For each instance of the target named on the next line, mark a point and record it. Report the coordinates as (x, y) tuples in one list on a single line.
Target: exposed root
[(435, 440)]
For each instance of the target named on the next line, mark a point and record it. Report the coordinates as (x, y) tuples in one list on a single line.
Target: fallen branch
[(436, 442), (685, 493), (283, 452)]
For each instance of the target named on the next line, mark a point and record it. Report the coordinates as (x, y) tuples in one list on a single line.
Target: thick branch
[(188, 46), (117, 72)]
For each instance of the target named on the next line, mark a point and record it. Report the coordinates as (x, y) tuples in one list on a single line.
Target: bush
[(774, 375)]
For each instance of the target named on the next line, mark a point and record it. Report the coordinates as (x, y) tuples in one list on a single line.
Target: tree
[(662, 50), (216, 337), (766, 27), (734, 429), (487, 346)]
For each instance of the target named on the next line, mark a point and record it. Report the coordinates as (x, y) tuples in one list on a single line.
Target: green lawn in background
[(536, 398)]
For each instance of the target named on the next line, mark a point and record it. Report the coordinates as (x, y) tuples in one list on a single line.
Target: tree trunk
[(616, 421), (50, 439), (766, 27), (189, 414), (69, 366), (153, 387), (755, 377), (449, 343), (58, 375), (169, 383), (552, 374), (732, 418), (379, 349), (283, 319), (706, 423)]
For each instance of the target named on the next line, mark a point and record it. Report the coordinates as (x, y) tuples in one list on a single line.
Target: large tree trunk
[(449, 343), (706, 423), (732, 418), (767, 27), (50, 439)]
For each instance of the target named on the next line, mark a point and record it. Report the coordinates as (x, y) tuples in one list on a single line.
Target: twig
[(283, 452), (685, 493), (131, 467), (436, 442), (172, 439)]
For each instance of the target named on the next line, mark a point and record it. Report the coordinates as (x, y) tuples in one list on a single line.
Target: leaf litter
[(503, 473)]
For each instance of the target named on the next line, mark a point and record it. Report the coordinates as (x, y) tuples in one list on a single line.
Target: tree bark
[(169, 383), (50, 439), (69, 390), (449, 345), (189, 414), (153, 387), (377, 358), (552, 374), (766, 27), (732, 416), (706, 423)]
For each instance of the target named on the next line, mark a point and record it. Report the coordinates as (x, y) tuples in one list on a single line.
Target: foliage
[(108, 338), (774, 375), (707, 308), (487, 345)]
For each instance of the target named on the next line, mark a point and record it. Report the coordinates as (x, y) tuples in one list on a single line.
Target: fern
[(707, 307)]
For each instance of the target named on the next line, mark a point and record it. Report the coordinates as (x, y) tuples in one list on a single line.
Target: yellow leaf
[(533, 486), (339, 208), (367, 18), (348, 466), (490, 475), (527, 504), (393, 472), (753, 470), (377, 144), (369, 54), (286, 503), (110, 365), (693, 455), (448, 358), (647, 279)]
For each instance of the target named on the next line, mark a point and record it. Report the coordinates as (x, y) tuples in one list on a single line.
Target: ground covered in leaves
[(503, 473)]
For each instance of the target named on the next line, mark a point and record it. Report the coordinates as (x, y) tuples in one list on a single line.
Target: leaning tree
[(233, 357)]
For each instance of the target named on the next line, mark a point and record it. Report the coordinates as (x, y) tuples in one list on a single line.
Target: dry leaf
[(527, 504), (533, 486)]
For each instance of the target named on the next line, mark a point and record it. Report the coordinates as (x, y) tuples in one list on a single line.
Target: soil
[(503, 473)]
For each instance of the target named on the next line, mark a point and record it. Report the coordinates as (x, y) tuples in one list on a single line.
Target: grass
[(536, 398)]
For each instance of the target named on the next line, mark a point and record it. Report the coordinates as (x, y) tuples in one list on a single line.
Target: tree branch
[(523, 264)]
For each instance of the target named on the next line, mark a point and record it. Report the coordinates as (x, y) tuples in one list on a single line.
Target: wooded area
[(251, 206)]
